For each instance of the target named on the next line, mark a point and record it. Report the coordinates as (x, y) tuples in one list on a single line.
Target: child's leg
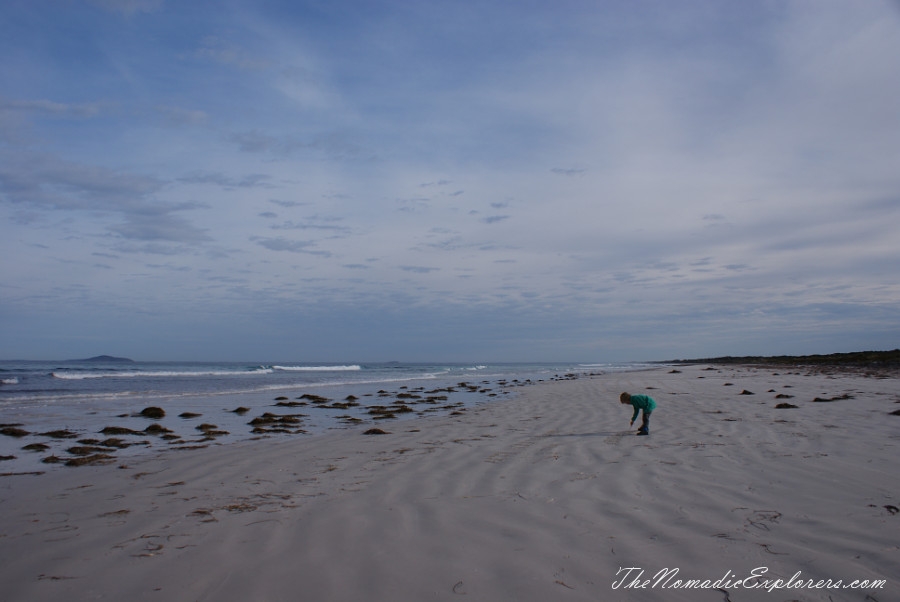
[(645, 421)]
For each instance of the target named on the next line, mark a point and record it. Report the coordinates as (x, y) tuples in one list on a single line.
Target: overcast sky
[(461, 180)]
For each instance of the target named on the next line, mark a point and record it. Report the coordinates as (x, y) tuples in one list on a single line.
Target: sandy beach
[(545, 496)]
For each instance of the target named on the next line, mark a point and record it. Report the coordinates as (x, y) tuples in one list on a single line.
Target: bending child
[(641, 403)]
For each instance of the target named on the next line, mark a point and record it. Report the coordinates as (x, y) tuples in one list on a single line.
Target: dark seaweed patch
[(36, 447), (90, 460), (12, 431), (376, 431), (119, 430), (153, 412), (60, 434)]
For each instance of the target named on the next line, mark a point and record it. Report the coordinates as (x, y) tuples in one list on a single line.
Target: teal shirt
[(642, 402)]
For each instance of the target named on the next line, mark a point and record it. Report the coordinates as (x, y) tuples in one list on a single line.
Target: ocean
[(66, 410)]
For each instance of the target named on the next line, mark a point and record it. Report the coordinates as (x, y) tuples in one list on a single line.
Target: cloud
[(290, 246), (178, 117), (53, 185), (417, 269), (310, 225), (159, 225), (51, 108), (333, 144), (256, 180), (48, 182), (567, 172), (281, 203)]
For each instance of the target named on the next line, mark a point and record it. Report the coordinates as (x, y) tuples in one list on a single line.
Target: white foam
[(316, 368), (10, 381), (157, 373)]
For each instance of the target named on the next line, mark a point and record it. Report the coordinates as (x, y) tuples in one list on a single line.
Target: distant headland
[(106, 359)]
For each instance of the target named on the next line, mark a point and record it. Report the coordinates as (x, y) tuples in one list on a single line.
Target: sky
[(467, 180)]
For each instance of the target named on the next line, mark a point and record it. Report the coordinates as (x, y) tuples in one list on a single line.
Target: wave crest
[(158, 373), (317, 368)]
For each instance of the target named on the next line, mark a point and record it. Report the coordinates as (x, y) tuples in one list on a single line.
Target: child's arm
[(635, 415)]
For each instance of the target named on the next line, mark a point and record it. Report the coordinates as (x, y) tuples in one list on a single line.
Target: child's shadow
[(597, 434)]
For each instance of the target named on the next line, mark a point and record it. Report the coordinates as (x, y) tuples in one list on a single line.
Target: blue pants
[(645, 422)]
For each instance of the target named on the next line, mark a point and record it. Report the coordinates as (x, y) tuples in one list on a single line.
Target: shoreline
[(542, 496)]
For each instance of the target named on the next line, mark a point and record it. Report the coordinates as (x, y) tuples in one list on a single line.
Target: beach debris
[(783, 396), (835, 398), (153, 412), (120, 444), (157, 429), (785, 405), (268, 418), (347, 419), (240, 507), (458, 589), (376, 431), (746, 392), (90, 460), (210, 430), (314, 398), (60, 434), (281, 398), (291, 404), (36, 447), (51, 460), (86, 450), (340, 405), (119, 430), (13, 431), (189, 415), (7, 458), (381, 412), (276, 423), (892, 509), (240, 411), (895, 413)]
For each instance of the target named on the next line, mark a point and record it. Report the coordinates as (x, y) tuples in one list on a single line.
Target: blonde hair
[(625, 398)]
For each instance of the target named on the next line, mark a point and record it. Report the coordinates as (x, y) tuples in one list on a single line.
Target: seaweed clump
[(13, 431), (276, 423), (90, 460), (153, 412)]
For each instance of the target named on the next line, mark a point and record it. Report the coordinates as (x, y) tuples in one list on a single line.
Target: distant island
[(881, 359), (106, 359)]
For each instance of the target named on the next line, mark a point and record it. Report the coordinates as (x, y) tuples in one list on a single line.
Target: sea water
[(84, 397)]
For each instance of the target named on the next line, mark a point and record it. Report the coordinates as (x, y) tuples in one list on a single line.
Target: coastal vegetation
[(862, 359)]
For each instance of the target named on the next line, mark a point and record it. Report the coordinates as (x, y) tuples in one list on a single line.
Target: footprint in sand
[(615, 439)]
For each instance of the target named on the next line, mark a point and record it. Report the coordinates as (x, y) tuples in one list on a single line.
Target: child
[(643, 403)]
